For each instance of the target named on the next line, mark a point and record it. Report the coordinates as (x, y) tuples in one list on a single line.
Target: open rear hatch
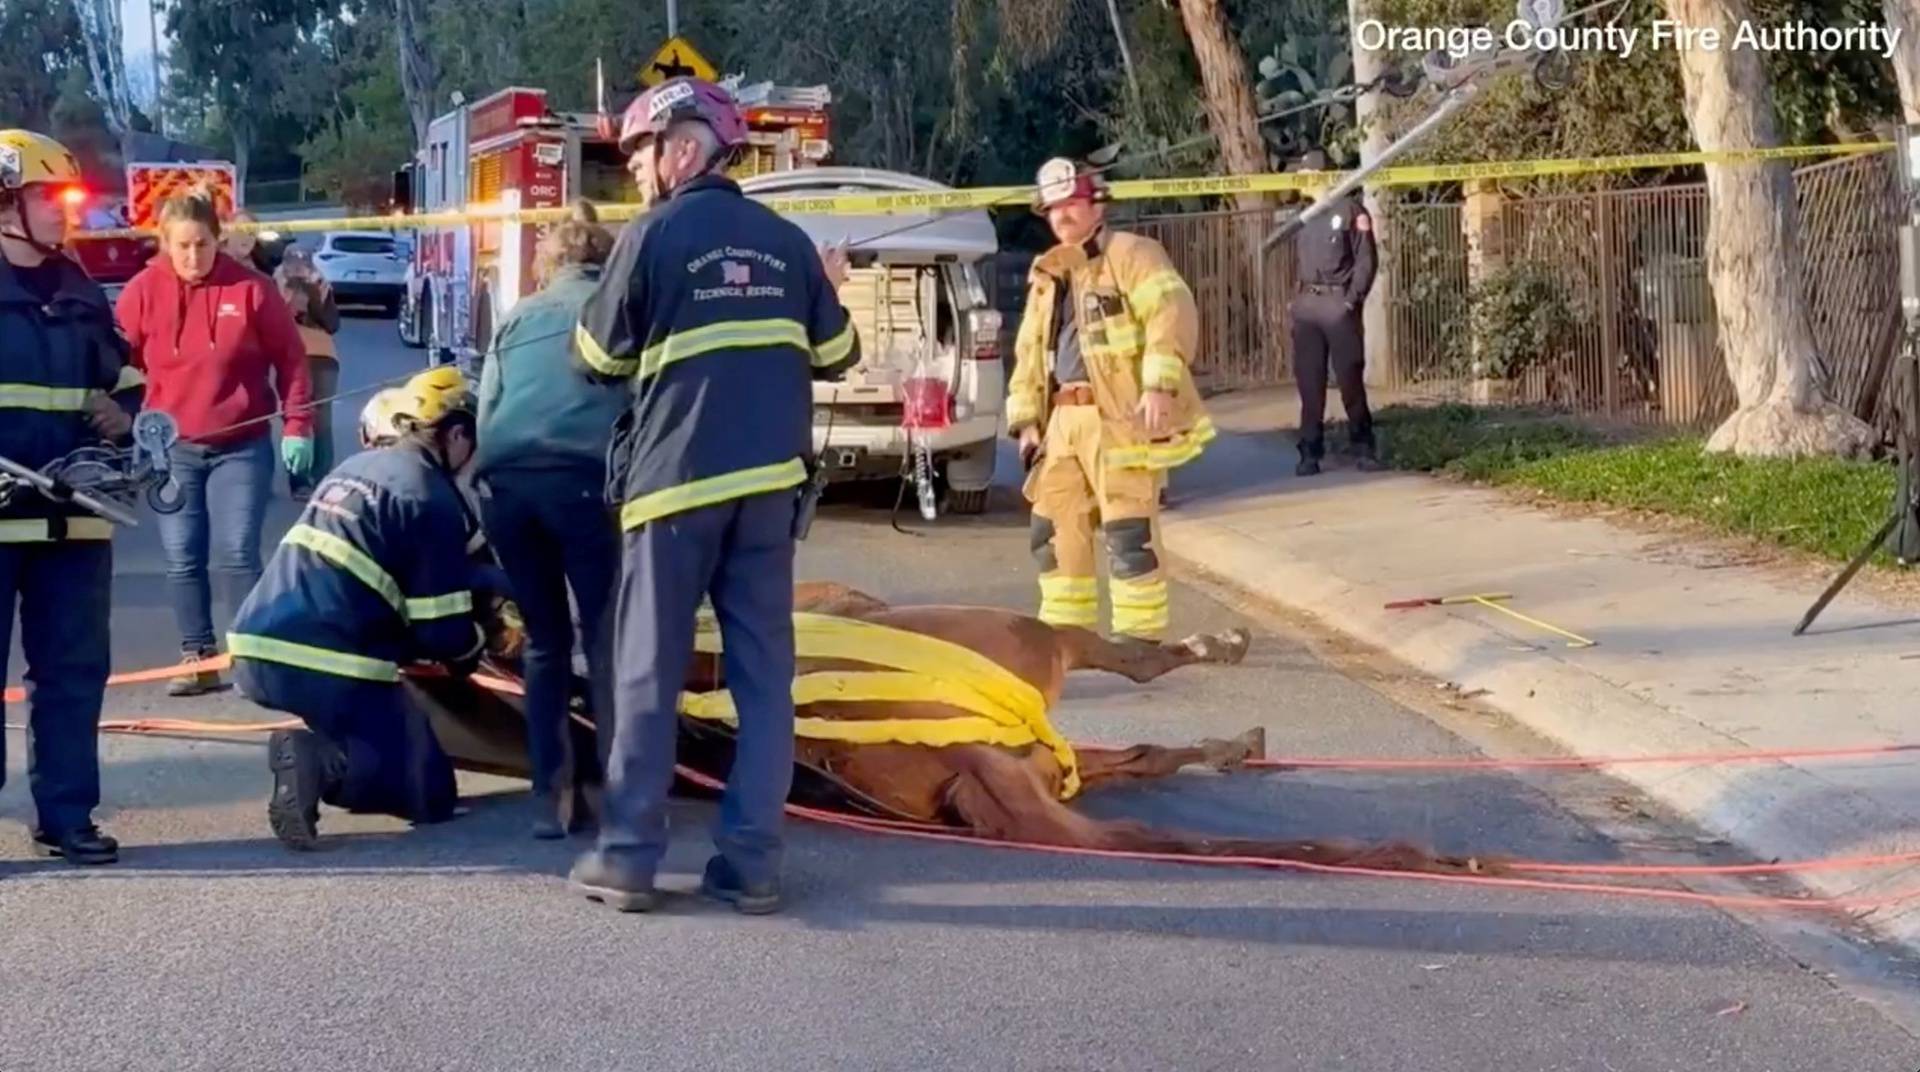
[(904, 317)]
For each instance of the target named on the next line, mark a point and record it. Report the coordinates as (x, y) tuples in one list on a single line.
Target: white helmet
[(378, 427)]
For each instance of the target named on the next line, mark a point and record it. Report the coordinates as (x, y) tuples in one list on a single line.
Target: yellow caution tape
[(1127, 190)]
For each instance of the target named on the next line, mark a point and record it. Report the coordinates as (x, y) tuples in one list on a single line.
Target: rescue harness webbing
[(916, 668)]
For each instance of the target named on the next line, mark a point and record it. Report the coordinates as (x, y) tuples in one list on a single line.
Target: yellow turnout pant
[(1074, 491)]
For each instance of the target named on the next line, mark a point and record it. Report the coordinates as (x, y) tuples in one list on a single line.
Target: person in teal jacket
[(540, 477)]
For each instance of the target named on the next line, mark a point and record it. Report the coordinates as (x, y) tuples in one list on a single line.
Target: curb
[(1773, 810)]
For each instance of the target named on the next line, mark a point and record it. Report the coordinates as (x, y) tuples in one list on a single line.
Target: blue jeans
[(226, 491), (741, 554), (553, 533), (65, 594)]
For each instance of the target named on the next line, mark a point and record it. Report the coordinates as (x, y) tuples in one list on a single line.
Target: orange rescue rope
[(934, 832)]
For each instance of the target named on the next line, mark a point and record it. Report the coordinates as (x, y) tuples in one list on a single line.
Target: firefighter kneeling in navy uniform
[(64, 383), (720, 314), (373, 575)]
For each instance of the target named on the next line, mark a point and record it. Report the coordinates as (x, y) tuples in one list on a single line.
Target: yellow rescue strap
[(1004, 709)]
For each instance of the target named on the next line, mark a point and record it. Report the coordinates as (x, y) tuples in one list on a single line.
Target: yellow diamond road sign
[(677, 58)]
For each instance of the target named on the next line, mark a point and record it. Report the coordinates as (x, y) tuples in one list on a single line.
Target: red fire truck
[(510, 151)]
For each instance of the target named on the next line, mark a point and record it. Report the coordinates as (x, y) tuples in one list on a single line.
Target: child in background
[(317, 317)]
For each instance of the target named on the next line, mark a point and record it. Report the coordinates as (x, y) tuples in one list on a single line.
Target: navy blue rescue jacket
[(53, 356), (719, 313), (374, 574)]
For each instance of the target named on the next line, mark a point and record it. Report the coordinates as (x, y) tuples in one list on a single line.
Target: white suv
[(364, 268), (929, 342)]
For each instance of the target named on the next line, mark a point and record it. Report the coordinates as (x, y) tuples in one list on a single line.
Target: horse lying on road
[(932, 714)]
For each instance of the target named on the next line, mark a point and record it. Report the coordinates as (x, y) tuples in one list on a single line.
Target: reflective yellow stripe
[(349, 558), (1140, 606), (1008, 708), (1151, 291), (1160, 371), (1070, 601), (726, 335), (357, 562), (130, 377), (598, 359), (337, 663), (1180, 450), (429, 607), (1124, 339), (836, 349), (39, 530), (714, 489), (45, 399)]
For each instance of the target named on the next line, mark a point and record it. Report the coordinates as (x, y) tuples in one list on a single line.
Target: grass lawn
[(1826, 506)]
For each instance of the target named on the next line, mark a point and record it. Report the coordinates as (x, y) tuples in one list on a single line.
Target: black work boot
[(1309, 460), (305, 768), (606, 879), (1366, 459), (722, 883), (86, 846)]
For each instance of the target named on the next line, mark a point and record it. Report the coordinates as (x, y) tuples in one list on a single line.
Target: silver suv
[(930, 371), (364, 267)]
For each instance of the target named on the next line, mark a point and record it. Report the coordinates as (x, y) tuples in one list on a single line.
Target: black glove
[(466, 665)]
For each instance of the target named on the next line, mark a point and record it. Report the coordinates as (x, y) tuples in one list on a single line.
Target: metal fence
[(1632, 268), (1243, 325)]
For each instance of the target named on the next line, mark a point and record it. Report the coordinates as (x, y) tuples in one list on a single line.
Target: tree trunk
[(1903, 16), (418, 78), (242, 158), (106, 63), (1126, 54), (1375, 316), (1231, 110), (1753, 255)]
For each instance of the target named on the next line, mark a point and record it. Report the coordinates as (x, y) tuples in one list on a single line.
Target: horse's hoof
[(1255, 741), (1229, 647)]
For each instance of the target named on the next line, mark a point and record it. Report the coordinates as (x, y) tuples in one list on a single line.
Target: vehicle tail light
[(926, 404), (984, 328)]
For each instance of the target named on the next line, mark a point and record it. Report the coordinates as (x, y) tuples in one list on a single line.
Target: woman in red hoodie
[(217, 343)]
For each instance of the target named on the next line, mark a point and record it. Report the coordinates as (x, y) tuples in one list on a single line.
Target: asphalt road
[(459, 947)]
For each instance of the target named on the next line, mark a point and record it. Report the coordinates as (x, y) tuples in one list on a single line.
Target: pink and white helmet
[(652, 112)]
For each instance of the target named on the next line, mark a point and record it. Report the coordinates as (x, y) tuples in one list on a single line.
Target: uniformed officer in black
[(1334, 259)]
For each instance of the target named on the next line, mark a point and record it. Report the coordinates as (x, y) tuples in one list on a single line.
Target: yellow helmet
[(435, 395), (26, 157)]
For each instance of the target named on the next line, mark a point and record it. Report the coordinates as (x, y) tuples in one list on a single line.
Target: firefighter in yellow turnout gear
[(1103, 404)]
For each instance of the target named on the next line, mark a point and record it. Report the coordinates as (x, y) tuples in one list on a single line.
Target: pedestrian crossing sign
[(677, 59)]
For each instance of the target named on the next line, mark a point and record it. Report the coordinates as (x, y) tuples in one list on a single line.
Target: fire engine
[(111, 262), (511, 151)]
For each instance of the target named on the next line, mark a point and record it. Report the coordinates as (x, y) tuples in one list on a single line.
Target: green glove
[(297, 452)]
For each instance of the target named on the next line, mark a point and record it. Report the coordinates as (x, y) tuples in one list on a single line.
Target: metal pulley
[(1540, 14), (1553, 72), (105, 479)]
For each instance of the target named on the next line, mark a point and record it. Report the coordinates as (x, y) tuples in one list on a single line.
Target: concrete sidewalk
[(1695, 651)]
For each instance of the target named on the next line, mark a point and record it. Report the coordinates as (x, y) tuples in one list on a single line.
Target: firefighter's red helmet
[(652, 112)]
